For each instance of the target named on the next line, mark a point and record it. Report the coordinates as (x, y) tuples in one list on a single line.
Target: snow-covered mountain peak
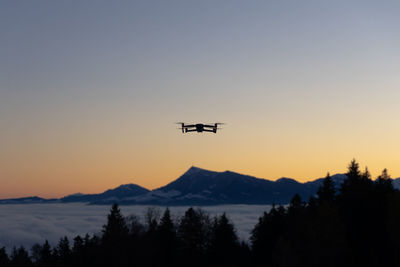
[(286, 180), (197, 171), (127, 187)]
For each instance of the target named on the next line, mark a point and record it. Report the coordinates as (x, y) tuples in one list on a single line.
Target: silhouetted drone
[(199, 127)]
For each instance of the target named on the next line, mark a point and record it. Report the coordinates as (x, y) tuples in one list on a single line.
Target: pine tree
[(193, 235), (356, 182), (366, 174), (384, 175), (266, 234), (327, 191), (78, 252), (384, 182), (20, 257), (42, 254), (45, 254), (224, 242), (224, 234), (166, 230), (296, 205), (356, 207), (116, 228), (166, 239), (63, 251), (138, 243), (353, 170), (4, 260), (78, 244), (115, 239)]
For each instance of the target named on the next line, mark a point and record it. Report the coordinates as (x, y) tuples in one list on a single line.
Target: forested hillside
[(356, 225)]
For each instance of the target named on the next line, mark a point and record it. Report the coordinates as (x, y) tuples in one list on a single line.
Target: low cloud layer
[(28, 224)]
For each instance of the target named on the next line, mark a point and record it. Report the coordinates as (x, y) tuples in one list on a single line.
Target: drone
[(199, 127)]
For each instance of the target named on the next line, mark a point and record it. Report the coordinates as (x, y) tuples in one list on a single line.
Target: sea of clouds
[(28, 224)]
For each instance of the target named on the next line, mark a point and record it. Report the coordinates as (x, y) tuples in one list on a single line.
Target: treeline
[(195, 239), (355, 225)]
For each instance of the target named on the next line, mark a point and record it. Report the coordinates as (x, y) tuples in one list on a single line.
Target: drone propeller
[(216, 123), (182, 126)]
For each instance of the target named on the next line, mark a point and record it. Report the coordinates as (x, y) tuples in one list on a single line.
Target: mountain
[(118, 194), (26, 200), (202, 187), (396, 183)]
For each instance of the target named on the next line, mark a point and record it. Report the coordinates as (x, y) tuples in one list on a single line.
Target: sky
[(90, 90)]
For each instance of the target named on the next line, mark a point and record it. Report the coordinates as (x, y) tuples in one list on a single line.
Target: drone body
[(199, 127)]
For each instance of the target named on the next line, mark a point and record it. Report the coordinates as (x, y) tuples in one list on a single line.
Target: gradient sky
[(89, 90)]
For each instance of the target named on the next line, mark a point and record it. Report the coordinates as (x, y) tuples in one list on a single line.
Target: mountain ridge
[(198, 186)]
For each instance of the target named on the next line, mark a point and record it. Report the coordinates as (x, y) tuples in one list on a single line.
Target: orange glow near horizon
[(92, 150), (153, 158), (89, 92)]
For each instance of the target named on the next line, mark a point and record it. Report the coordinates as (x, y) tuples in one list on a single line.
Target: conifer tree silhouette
[(42, 255), (223, 234), (166, 239), (384, 182), (353, 170), (194, 236), (266, 235), (327, 191), (366, 174), (63, 252), (296, 205), (46, 255), (4, 260), (116, 227), (20, 257), (78, 251), (166, 227), (115, 238), (224, 247)]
